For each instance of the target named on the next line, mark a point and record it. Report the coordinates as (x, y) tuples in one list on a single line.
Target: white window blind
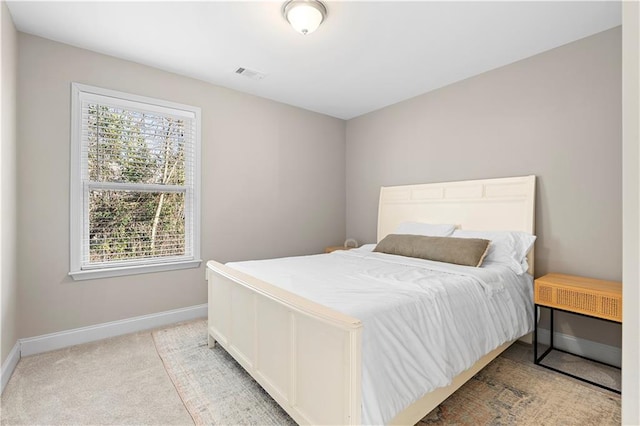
[(135, 189)]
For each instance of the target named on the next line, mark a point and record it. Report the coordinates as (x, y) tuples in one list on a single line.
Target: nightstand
[(580, 296), (334, 248)]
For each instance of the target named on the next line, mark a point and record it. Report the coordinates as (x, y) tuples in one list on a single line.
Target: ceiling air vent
[(254, 75)]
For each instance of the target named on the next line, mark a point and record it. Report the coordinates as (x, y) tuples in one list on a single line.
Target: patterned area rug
[(217, 391), (508, 392)]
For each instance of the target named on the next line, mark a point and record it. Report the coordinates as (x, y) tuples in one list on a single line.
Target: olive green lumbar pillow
[(461, 251)]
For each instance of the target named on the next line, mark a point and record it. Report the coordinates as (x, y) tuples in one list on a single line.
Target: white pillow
[(507, 248), (426, 229), (365, 247)]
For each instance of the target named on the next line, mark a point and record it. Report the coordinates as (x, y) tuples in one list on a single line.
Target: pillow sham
[(507, 248), (461, 251), (427, 229)]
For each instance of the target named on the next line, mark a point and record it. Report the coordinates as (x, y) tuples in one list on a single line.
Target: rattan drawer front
[(577, 300), (601, 299), (611, 307), (544, 294)]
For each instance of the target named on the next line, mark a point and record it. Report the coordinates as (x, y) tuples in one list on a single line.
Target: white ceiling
[(366, 55)]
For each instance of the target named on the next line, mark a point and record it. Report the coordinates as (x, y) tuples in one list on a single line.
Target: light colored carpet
[(216, 390), (123, 381), (110, 382)]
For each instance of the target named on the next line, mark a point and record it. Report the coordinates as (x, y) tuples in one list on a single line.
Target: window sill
[(91, 274)]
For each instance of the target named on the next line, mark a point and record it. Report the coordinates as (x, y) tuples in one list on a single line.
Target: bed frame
[(307, 356)]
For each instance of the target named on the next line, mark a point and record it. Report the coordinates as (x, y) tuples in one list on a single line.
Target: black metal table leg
[(538, 360)]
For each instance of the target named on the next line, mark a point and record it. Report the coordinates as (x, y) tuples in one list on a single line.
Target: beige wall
[(8, 275), (556, 115), (272, 185), (631, 212)]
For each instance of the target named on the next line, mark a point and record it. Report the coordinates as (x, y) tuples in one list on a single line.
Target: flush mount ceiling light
[(305, 16)]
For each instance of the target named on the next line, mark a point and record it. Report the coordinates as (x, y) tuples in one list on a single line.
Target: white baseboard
[(63, 339), (9, 365), (48, 342), (527, 338), (604, 353)]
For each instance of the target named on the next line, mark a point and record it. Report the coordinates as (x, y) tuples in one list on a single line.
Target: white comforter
[(424, 322)]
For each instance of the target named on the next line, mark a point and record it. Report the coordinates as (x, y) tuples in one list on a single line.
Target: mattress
[(424, 321)]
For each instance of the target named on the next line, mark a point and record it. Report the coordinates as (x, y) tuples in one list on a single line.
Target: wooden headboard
[(505, 204)]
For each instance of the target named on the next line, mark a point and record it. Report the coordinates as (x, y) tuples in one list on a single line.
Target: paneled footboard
[(305, 355)]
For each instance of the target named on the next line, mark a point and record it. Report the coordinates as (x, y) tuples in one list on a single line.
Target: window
[(135, 177)]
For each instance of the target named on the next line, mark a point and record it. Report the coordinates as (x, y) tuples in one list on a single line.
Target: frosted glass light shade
[(304, 16)]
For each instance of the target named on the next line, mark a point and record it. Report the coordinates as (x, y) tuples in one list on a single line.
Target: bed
[(309, 356)]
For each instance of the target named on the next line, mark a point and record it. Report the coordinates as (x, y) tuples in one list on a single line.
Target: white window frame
[(79, 220)]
